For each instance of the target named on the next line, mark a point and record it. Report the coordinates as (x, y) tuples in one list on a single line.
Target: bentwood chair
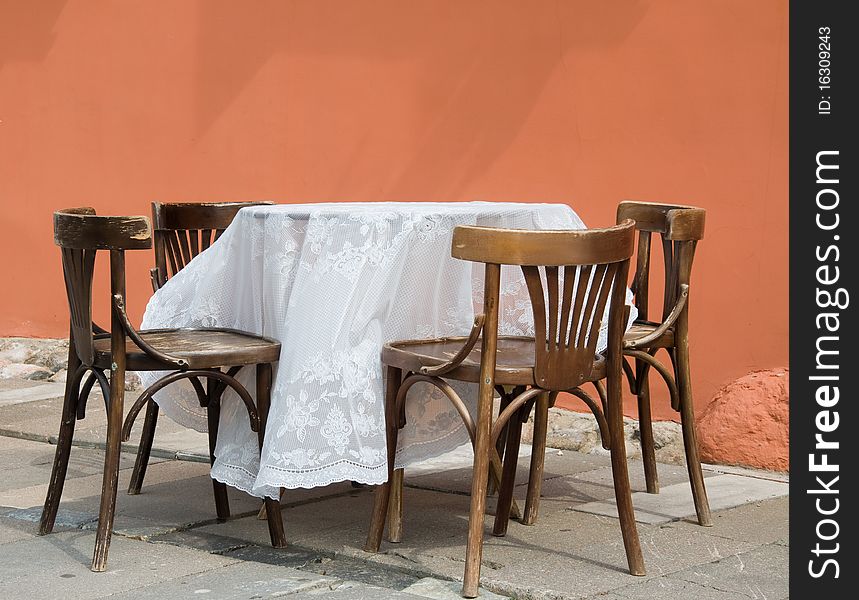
[(679, 228), (104, 357), (561, 357), (181, 232)]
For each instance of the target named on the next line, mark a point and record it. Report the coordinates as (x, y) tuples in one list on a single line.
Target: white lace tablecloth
[(333, 283)]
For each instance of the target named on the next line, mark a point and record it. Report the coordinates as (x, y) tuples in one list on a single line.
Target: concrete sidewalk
[(168, 545)]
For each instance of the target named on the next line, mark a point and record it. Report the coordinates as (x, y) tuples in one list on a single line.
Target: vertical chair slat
[(194, 238), (566, 304), (173, 252), (552, 292), (589, 316), (608, 283), (581, 288), (641, 280), (538, 303), (182, 236)]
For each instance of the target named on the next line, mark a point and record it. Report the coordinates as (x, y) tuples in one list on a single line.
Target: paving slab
[(668, 475), (16, 383), (758, 573), (590, 546), (65, 519), (172, 438), (763, 522), (455, 475), (21, 393), (438, 589), (665, 587), (195, 538), (76, 489), (340, 566), (26, 462), (567, 554), (588, 558), (40, 420), (675, 501), (14, 530), (175, 495), (241, 580), (747, 472), (350, 590), (59, 565)]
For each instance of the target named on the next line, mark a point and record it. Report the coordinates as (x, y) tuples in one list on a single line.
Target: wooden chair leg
[(213, 416), (690, 437), (261, 515), (484, 451), (147, 436), (538, 457), (272, 506), (64, 446), (393, 379), (508, 476), (645, 424), (620, 474), (480, 479), (110, 479), (501, 442), (395, 508)]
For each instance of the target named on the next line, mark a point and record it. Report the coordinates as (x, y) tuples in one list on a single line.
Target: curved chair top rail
[(677, 222), (544, 248), (82, 229), (197, 215)]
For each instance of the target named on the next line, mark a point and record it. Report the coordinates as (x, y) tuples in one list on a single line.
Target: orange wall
[(114, 104)]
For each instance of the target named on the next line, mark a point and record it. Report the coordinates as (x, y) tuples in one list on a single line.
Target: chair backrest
[(79, 233), (183, 230), (680, 228), (571, 276)]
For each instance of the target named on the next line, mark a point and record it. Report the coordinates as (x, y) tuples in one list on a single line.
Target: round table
[(333, 283)]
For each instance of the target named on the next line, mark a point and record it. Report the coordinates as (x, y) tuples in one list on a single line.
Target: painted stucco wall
[(115, 104)]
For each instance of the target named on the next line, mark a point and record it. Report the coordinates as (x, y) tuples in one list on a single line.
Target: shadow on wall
[(467, 55), (27, 29)]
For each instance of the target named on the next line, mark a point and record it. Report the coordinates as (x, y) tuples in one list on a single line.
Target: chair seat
[(514, 359), (201, 348), (640, 329)]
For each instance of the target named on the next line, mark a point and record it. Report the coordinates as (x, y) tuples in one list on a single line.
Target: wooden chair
[(192, 354), (181, 232), (563, 357), (680, 228)]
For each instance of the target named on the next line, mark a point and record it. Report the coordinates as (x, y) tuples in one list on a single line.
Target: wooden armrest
[(668, 322), (463, 353), (119, 307)]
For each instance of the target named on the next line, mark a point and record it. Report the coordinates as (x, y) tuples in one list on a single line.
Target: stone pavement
[(167, 543)]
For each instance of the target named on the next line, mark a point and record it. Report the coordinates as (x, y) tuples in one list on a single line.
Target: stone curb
[(570, 430), (40, 359)]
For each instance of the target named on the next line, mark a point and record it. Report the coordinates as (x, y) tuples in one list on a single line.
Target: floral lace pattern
[(333, 283)]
